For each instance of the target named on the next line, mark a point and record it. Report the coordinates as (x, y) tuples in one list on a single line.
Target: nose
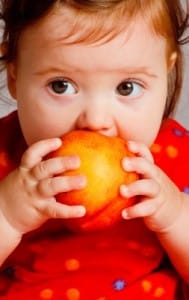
[(97, 116)]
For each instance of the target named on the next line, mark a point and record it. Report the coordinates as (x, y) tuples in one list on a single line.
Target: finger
[(141, 166), (51, 186), (140, 150), (143, 187), (53, 209), (54, 166), (143, 209), (35, 153)]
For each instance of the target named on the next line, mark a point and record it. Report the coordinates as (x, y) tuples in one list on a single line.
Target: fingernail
[(124, 190), (81, 211), (127, 164), (125, 214), (57, 142), (131, 145), (81, 181), (74, 161)]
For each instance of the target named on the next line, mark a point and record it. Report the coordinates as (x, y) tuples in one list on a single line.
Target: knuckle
[(45, 187), (29, 158), (65, 182), (47, 208), (26, 158), (158, 175), (40, 170), (52, 186), (157, 187), (51, 210)]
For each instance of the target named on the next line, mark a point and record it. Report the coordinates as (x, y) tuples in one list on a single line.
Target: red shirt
[(123, 262)]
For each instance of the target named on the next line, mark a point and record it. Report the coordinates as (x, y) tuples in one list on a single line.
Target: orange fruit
[(100, 158)]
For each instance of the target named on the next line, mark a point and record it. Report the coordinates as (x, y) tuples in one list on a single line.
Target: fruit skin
[(100, 158)]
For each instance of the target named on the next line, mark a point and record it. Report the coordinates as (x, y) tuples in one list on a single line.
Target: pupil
[(125, 88), (59, 86)]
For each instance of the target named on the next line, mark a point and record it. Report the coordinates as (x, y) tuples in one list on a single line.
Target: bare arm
[(9, 240), (27, 195), (164, 209), (175, 240)]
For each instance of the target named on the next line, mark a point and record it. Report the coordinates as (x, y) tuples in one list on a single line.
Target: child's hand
[(159, 201), (28, 193)]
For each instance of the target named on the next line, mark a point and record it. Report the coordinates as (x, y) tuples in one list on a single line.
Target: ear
[(11, 78), (171, 61), (3, 49)]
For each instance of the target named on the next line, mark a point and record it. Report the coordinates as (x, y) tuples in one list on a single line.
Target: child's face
[(117, 88)]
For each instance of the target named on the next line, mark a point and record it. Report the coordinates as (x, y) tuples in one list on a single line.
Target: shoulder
[(9, 123), (172, 139), (171, 152)]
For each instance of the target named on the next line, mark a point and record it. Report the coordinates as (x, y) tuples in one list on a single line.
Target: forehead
[(66, 26), (57, 37)]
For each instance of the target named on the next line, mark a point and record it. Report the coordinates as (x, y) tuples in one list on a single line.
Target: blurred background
[(182, 112)]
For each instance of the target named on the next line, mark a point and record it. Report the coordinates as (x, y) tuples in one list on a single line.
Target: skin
[(92, 98)]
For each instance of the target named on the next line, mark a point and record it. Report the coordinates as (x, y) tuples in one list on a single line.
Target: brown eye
[(129, 88), (63, 87), (125, 88)]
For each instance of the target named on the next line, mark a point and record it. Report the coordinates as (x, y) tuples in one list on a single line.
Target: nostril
[(93, 121)]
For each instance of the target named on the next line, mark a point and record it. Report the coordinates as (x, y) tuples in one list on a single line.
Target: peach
[(100, 158)]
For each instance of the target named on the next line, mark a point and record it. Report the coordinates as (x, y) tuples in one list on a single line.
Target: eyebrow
[(127, 70)]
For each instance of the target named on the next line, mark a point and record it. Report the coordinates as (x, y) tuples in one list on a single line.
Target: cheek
[(37, 126), (150, 129), (28, 126), (141, 128)]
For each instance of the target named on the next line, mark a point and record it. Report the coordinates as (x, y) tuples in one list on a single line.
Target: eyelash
[(63, 84), (133, 84)]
